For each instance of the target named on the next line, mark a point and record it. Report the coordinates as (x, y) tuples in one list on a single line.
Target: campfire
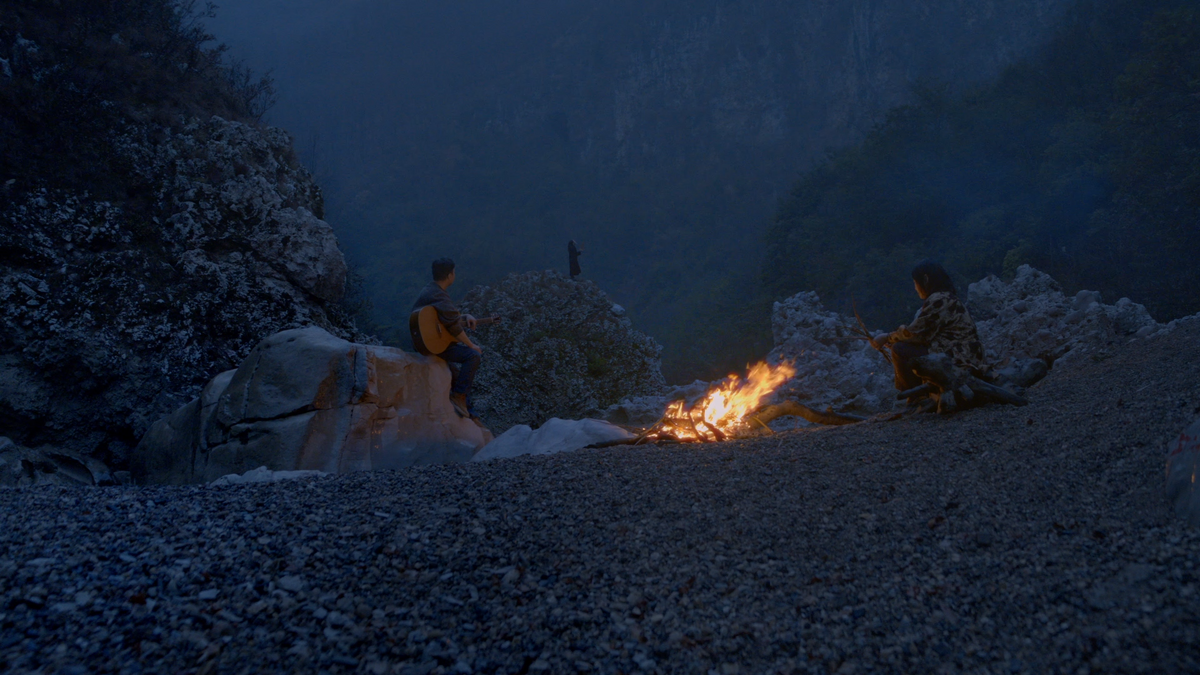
[(724, 412)]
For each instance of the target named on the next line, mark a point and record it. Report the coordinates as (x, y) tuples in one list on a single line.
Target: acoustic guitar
[(429, 336)]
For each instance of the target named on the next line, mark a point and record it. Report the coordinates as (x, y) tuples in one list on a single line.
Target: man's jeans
[(468, 362)]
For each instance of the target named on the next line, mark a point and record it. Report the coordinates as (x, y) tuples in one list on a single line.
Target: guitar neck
[(486, 321)]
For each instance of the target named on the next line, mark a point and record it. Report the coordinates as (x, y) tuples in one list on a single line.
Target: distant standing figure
[(573, 252)]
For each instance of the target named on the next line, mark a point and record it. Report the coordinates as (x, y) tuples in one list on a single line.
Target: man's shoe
[(459, 401)]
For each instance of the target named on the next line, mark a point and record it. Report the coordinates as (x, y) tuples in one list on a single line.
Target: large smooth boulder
[(306, 400), (1032, 317)]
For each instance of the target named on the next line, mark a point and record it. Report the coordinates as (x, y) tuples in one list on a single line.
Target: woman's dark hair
[(933, 277), (442, 267)]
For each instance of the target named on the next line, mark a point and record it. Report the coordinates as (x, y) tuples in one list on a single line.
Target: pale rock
[(291, 583), (20, 466), (834, 369), (554, 436), (305, 400), (1032, 317), (264, 475), (1183, 464)]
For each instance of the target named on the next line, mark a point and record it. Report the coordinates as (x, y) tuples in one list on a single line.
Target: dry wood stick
[(716, 432), (760, 423), (695, 430), (862, 330)]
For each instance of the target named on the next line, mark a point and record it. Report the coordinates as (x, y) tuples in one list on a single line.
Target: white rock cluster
[(564, 349), (1032, 317), (264, 475), (833, 367)]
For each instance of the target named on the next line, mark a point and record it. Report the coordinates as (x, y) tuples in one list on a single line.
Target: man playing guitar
[(463, 352)]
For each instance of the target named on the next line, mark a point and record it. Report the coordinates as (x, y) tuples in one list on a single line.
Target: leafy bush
[(76, 71)]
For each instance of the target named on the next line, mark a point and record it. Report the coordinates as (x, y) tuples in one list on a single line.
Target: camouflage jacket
[(945, 326)]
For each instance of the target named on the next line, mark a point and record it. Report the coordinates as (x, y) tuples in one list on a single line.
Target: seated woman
[(943, 325)]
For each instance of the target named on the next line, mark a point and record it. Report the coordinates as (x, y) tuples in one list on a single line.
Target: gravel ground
[(1001, 540)]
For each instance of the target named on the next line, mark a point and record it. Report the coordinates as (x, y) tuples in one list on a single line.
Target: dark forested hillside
[(1082, 160), (659, 134), (152, 231), (74, 72)]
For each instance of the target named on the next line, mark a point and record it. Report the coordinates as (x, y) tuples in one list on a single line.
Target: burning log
[(794, 409), (954, 388), (723, 413), (733, 409)]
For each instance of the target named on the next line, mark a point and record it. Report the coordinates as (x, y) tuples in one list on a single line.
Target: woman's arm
[(922, 329)]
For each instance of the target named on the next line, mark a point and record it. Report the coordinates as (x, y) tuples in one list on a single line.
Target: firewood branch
[(955, 388), (795, 409)]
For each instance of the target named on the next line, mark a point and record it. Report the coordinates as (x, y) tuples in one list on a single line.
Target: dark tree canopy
[(1082, 161)]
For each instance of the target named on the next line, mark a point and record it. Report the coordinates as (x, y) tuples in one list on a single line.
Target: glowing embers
[(724, 412)]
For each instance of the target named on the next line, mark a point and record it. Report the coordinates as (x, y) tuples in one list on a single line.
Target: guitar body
[(429, 336)]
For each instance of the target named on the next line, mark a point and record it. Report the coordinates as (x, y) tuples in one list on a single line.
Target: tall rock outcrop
[(1031, 316), (113, 313), (563, 349)]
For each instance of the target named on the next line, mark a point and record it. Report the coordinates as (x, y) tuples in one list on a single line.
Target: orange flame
[(723, 410)]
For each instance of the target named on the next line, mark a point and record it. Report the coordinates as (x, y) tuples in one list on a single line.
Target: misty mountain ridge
[(660, 135)]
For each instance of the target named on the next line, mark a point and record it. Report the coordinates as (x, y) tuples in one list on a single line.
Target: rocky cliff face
[(563, 349), (809, 74), (113, 313)]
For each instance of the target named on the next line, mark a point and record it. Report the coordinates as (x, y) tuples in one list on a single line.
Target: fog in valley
[(660, 135)]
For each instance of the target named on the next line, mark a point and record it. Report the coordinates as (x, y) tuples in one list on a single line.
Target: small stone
[(210, 594), (291, 583)]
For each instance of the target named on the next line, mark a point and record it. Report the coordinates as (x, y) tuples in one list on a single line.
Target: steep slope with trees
[(1082, 160)]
